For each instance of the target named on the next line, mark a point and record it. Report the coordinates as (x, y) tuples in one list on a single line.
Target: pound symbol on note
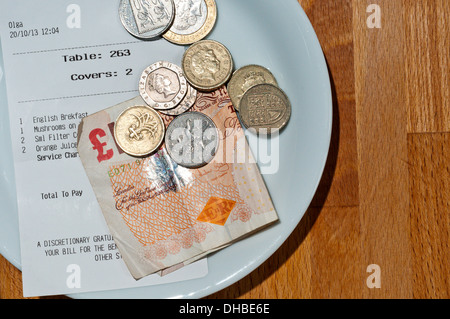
[(98, 146)]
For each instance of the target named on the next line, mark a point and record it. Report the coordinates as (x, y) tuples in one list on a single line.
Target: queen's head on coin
[(205, 64), (161, 84)]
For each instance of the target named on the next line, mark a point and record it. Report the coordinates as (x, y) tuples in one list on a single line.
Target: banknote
[(163, 215)]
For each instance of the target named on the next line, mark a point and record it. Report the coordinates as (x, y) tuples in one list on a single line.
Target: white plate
[(273, 33)]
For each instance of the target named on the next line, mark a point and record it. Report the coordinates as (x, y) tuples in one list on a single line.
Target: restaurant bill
[(62, 62)]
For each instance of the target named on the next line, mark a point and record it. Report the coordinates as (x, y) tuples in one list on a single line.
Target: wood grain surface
[(384, 198)]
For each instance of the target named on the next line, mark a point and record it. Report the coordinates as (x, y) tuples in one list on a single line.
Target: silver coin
[(185, 104), (189, 16), (162, 85), (192, 139), (146, 19)]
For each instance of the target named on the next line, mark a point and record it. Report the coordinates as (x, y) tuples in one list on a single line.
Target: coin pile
[(172, 90), (261, 104), (191, 139)]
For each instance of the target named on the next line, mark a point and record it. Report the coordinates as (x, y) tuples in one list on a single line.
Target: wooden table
[(384, 199)]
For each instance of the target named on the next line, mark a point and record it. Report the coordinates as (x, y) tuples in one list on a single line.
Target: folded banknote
[(163, 215)]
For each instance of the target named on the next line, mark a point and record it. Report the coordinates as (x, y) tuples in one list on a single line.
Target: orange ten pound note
[(161, 214)]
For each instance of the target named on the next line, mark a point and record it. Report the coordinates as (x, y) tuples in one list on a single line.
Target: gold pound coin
[(193, 21), (139, 131), (245, 78), (265, 106), (207, 65)]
